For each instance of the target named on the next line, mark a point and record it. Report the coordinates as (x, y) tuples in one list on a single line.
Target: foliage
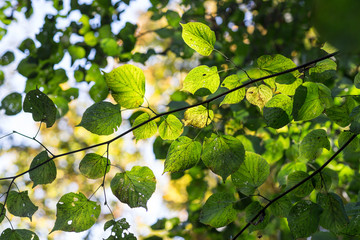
[(270, 148)]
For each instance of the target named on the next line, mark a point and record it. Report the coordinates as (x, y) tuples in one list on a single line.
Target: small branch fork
[(13, 178), (317, 171)]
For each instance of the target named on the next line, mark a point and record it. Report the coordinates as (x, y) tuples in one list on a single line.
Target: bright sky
[(23, 122)]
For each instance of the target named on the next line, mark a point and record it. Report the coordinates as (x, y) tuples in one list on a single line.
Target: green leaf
[(275, 64), (134, 187), (119, 230), (259, 96), (281, 207), (2, 77), (19, 204), (277, 111), (7, 58), (325, 96), (110, 46), (333, 217), (307, 103), (2, 208), (198, 116), (303, 190), (75, 213), (93, 166), (223, 154), (146, 130), (41, 107), (287, 84), (172, 18), (355, 120), (90, 39), (199, 37), (232, 82), (102, 118), (184, 153), (353, 227), (289, 168), (327, 47), (341, 114), (260, 222), (323, 71), (44, 174), (127, 85), (344, 137), (357, 80), (171, 128), (252, 173), (312, 144), (218, 211), (76, 52), (304, 218), (12, 103), (18, 234), (200, 79), (323, 236)]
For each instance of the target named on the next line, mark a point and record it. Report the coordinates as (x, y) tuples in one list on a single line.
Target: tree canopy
[(251, 109)]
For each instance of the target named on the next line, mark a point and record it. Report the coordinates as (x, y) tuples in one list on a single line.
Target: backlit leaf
[(313, 143), (127, 85), (199, 37), (198, 116), (184, 153), (289, 168), (252, 173), (232, 82), (41, 107), (93, 166), (202, 78), (102, 118), (145, 131), (18, 234), (44, 174), (12, 103), (259, 96), (171, 128), (277, 111), (218, 211), (304, 218), (134, 187), (19, 204), (323, 71), (223, 154), (75, 213)]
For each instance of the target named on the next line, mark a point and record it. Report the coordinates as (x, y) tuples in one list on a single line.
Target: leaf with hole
[(93, 166), (202, 80), (199, 37), (134, 187), (44, 174), (75, 213), (259, 96), (41, 107), (102, 118), (19, 204), (313, 143), (18, 234)]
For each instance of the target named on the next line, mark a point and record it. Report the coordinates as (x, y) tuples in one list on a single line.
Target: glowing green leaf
[(232, 82), (171, 128), (199, 37), (277, 111), (198, 117), (259, 96), (202, 78), (145, 131)]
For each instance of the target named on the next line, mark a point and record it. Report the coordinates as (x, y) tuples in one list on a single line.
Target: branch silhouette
[(13, 178)]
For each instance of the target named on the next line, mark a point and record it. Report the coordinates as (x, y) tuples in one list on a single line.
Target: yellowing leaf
[(198, 117), (259, 96)]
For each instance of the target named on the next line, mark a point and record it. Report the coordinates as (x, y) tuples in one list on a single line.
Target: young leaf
[(277, 111), (307, 103), (18, 234), (232, 82), (198, 116), (93, 166), (119, 230), (304, 218), (303, 190), (127, 85), (252, 173), (281, 207), (12, 104), (134, 187), (184, 153), (19, 204), (223, 154), (199, 37), (75, 213), (41, 107), (44, 174), (202, 78), (102, 118), (261, 221), (145, 131), (312, 142), (259, 96), (171, 128), (218, 211), (333, 217)]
